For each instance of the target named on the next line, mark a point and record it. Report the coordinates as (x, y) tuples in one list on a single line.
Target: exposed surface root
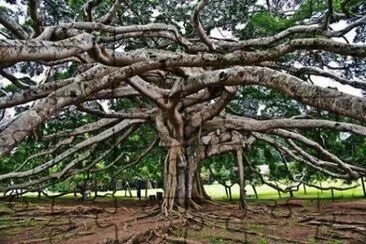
[(138, 222)]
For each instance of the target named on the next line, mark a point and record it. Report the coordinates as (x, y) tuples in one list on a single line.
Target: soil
[(108, 220)]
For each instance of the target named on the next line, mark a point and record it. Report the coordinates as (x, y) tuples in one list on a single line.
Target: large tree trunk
[(170, 180), (182, 183), (170, 129)]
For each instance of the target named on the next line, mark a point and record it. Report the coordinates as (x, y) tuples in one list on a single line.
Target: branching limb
[(198, 26), (81, 130), (263, 180), (265, 42), (88, 7), (34, 10), (199, 97), (316, 166), (43, 90), (107, 18), (14, 80), (12, 26), (249, 124), (221, 148), (16, 50), (46, 152), (212, 110), (316, 161), (317, 146), (324, 98), (62, 97), (327, 188), (58, 175), (320, 72), (158, 95), (105, 153), (119, 92), (146, 114), (162, 30)]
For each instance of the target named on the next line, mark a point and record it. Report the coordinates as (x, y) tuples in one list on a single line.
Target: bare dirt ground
[(122, 221)]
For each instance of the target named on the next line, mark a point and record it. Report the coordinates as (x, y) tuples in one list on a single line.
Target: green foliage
[(265, 23), (224, 168)]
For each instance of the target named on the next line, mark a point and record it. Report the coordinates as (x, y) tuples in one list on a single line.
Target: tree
[(115, 67)]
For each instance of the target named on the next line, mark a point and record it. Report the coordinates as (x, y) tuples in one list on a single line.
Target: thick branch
[(315, 145), (14, 80), (319, 72), (34, 9), (316, 166), (146, 114), (12, 26), (77, 160), (316, 96), (198, 26), (212, 110), (107, 18), (248, 124), (32, 50), (81, 130), (158, 95), (316, 161)]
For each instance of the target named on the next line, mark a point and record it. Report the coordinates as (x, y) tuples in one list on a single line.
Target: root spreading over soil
[(128, 221)]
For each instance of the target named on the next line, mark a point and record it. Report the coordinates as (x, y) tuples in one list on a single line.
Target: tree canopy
[(160, 86)]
